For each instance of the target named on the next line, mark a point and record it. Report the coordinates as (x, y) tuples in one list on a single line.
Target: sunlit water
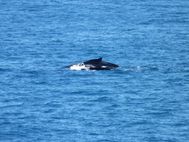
[(145, 100)]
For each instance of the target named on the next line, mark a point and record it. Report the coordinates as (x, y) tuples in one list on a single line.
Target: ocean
[(146, 99)]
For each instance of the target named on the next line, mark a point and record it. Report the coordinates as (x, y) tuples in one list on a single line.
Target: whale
[(93, 64)]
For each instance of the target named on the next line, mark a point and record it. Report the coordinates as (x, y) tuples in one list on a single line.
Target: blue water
[(145, 100)]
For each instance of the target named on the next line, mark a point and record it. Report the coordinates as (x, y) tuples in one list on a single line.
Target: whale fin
[(100, 59)]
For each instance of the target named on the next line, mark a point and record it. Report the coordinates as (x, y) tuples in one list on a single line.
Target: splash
[(80, 66)]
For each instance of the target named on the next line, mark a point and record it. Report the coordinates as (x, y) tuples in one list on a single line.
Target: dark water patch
[(30, 73), (160, 114), (106, 140), (176, 69), (5, 70), (103, 99), (53, 104), (10, 105)]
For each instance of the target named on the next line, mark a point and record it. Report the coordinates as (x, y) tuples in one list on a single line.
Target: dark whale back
[(94, 61)]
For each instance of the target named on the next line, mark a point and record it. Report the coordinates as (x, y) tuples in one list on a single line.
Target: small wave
[(138, 69)]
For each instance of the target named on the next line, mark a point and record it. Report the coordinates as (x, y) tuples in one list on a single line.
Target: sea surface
[(145, 100)]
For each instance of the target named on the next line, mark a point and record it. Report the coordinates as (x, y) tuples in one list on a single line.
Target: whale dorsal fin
[(93, 61), (100, 59)]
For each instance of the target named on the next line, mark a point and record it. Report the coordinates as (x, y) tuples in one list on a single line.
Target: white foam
[(80, 66), (104, 67)]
